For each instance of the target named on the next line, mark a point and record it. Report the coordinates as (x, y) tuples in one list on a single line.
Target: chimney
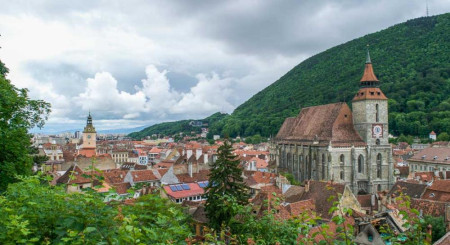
[(205, 158), (198, 153), (188, 153), (429, 233), (307, 186), (190, 169)]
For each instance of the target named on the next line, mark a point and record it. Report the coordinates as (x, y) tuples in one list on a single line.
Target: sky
[(138, 62)]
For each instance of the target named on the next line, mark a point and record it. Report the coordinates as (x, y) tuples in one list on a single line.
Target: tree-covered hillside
[(171, 128), (412, 61)]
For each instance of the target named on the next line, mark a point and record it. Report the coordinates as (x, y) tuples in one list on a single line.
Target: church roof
[(321, 125), (370, 94), (369, 75)]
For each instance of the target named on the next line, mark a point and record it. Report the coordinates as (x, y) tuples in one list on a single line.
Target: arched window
[(377, 113), (360, 164), (342, 175), (289, 160), (379, 165), (323, 166), (342, 159), (377, 142)]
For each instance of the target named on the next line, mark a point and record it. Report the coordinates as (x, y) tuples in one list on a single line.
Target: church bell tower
[(370, 109)]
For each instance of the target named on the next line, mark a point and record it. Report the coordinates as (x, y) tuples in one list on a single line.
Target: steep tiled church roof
[(323, 124)]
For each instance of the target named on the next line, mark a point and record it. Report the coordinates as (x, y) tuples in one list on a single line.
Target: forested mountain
[(411, 59), (170, 128)]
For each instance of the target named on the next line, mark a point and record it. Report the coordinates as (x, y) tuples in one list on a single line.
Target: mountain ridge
[(411, 59)]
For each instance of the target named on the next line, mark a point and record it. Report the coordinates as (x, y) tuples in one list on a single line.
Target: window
[(379, 165), (323, 166), (377, 113), (377, 142), (360, 164), (342, 175), (342, 159), (379, 187)]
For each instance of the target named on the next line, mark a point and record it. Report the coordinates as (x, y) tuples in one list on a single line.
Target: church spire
[(369, 79)]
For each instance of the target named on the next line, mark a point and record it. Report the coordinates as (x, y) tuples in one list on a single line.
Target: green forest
[(411, 59)]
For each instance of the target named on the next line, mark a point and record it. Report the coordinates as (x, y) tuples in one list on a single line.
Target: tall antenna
[(426, 4)]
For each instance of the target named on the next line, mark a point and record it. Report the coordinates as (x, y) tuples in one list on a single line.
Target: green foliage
[(255, 139), (226, 187), (31, 211), (438, 226), (173, 128), (18, 114), (443, 137), (290, 177)]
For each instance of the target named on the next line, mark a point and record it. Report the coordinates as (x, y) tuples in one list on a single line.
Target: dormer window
[(423, 157), (435, 157), (372, 93)]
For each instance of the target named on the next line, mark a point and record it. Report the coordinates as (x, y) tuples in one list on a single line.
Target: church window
[(360, 164), (377, 113), (342, 159), (377, 141), (379, 165), (323, 166), (342, 175)]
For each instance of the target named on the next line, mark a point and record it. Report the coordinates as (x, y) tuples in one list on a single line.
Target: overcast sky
[(134, 63)]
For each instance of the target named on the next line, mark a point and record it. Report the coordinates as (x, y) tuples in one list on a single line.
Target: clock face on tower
[(377, 131)]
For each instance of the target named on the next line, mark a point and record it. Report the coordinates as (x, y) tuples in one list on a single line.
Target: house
[(431, 159), (76, 179), (439, 190), (186, 191), (149, 177), (432, 136)]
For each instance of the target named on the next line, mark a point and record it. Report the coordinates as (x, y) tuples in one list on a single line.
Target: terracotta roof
[(413, 190), (432, 133), (294, 193), (322, 124), (122, 188), (202, 175), (438, 191), (114, 176), (320, 192), (332, 229), (428, 207), (370, 94), (194, 190), (143, 175), (366, 201), (369, 75), (74, 175), (439, 155)]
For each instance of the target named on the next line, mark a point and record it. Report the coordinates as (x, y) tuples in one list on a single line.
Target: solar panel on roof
[(173, 188), (206, 183), (179, 188), (185, 187), (202, 184)]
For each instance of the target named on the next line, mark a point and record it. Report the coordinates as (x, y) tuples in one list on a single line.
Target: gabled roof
[(320, 192), (73, 175), (439, 155), (143, 175), (413, 190), (323, 124)]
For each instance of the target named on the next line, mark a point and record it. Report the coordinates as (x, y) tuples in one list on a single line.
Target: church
[(332, 142)]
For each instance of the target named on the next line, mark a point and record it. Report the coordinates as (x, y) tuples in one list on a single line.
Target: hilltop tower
[(89, 134), (370, 119)]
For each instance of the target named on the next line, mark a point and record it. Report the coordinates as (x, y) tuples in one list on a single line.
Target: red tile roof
[(322, 124), (143, 175), (195, 190)]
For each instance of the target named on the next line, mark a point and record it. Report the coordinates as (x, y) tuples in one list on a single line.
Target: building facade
[(330, 142)]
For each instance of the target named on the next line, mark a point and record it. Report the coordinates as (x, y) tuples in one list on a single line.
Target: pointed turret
[(369, 84), (369, 79), (89, 126)]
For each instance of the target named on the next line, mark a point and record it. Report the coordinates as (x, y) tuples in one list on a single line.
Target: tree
[(443, 137), (18, 114), (225, 183)]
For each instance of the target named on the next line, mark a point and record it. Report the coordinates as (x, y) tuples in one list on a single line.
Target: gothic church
[(330, 142)]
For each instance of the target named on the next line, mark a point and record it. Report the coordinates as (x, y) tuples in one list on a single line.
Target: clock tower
[(89, 135), (370, 109), (370, 119)]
